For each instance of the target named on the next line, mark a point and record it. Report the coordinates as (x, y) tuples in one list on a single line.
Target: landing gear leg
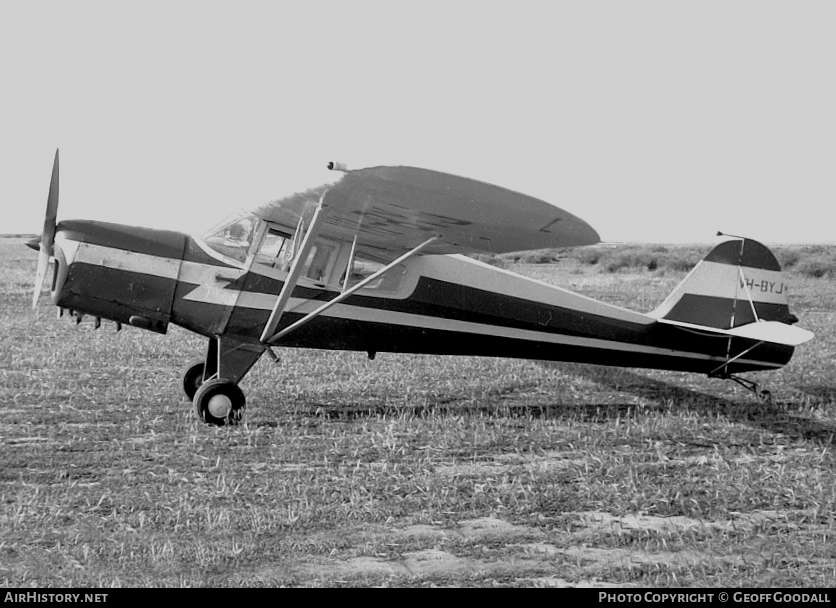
[(212, 385)]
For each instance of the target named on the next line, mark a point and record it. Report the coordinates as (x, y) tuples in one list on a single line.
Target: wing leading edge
[(391, 210)]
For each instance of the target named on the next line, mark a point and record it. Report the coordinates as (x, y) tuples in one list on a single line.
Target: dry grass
[(813, 261), (409, 470)]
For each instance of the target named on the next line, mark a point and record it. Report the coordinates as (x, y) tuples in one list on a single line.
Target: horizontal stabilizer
[(772, 331)]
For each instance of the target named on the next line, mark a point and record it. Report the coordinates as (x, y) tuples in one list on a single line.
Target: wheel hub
[(219, 406)]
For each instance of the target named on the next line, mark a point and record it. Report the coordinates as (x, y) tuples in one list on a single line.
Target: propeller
[(46, 247)]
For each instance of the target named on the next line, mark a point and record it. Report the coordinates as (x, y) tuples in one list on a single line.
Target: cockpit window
[(275, 250), (233, 237)]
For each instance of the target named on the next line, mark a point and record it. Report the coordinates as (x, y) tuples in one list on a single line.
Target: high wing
[(391, 210)]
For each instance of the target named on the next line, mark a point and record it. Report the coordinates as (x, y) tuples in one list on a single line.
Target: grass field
[(410, 470)]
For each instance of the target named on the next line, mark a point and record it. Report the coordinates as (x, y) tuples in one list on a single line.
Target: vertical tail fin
[(737, 283)]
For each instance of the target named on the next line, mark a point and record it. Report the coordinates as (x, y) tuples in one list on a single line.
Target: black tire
[(192, 379), (219, 402)]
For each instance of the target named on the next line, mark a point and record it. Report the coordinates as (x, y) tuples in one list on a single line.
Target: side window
[(274, 250), (364, 268), (319, 262), (278, 249)]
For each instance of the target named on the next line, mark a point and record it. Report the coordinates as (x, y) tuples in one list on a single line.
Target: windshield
[(232, 237)]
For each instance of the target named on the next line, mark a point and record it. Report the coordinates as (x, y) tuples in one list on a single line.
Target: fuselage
[(434, 304)]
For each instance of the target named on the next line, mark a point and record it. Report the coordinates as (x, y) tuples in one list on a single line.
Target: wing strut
[(295, 271), (312, 315), (350, 261)]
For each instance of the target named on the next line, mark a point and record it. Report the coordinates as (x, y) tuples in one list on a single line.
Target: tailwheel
[(219, 402), (192, 379), (750, 385)]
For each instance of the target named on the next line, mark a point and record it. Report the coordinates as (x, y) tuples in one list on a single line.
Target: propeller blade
[(48, 234), (43, 263), (47, 240)]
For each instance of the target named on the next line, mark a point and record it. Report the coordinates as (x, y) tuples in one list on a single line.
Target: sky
[(654, 121)]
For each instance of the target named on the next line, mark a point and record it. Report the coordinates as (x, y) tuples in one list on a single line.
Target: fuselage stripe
[(203, 277)]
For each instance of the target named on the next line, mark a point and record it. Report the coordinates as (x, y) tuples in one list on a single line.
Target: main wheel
[(219, 402), (192, 379)]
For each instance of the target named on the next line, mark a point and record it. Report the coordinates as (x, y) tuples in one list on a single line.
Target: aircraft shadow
[(648, 395), (821, 393), (772, 415)]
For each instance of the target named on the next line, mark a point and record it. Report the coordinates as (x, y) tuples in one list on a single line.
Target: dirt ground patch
[(523, 554)]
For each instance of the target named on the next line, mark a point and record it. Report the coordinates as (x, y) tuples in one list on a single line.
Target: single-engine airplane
[(372, 261)]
